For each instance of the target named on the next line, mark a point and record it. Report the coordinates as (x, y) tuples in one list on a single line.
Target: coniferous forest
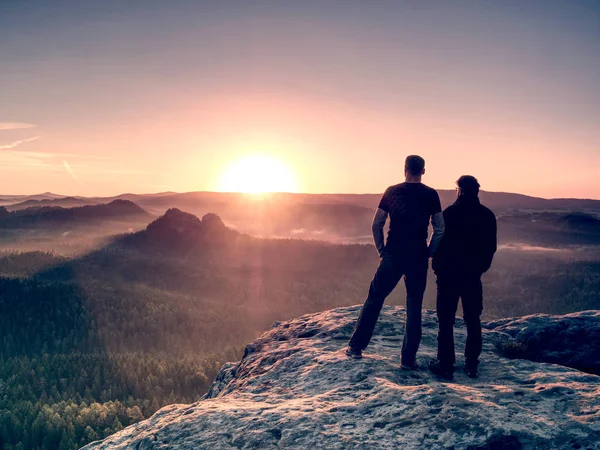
[(60, 387)]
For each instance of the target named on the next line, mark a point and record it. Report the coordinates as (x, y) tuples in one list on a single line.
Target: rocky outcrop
[(572, 340), (294, 388), (178, 231), (173, 224)]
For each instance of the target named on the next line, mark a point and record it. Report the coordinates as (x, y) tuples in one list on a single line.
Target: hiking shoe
[(411, 365), (471, 371), (446, 373), (353, 353)]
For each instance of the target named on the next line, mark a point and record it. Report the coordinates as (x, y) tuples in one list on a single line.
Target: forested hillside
[(62, 385)]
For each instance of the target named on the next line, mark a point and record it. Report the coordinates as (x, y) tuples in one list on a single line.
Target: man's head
[(468, 186), (414, 166)]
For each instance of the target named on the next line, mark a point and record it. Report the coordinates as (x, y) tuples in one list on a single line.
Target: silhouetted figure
[(464, 254), (411, 206)]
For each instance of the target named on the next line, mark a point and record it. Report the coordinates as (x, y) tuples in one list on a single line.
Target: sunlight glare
[(258, 174)]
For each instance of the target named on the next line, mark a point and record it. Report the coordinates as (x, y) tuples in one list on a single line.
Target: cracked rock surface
[(296, 389)]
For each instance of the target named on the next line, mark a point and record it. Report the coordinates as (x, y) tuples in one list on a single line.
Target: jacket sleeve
[(439, 257), (489, 241)]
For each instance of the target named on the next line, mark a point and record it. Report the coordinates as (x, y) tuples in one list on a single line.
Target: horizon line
[(61, 196)]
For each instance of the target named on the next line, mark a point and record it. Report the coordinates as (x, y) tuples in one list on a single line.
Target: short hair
[(469, 185), (414, 165)]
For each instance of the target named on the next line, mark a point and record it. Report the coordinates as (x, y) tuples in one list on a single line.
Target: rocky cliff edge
[(295, 389)]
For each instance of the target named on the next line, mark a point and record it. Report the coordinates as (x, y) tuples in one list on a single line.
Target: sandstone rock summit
[(295, 389)]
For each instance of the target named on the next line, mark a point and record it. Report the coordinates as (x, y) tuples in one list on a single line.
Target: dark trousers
[(391, 268), (451, 288)]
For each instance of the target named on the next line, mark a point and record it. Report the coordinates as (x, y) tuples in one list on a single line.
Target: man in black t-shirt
[(411, 206)]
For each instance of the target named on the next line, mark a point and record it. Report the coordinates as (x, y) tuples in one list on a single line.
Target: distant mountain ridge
[(496, 200), (56, 215), (8, 198), (238, 207), (65, 202)]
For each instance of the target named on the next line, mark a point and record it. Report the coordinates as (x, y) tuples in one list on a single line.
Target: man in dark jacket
[(464, 254), (411, 206)]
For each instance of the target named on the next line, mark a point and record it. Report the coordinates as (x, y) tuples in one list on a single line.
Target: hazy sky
[(149, 96)]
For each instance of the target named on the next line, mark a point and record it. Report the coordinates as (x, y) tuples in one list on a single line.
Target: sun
[(258, 174)]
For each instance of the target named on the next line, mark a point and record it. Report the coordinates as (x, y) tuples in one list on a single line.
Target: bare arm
[(377, 229), (437, 222)]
